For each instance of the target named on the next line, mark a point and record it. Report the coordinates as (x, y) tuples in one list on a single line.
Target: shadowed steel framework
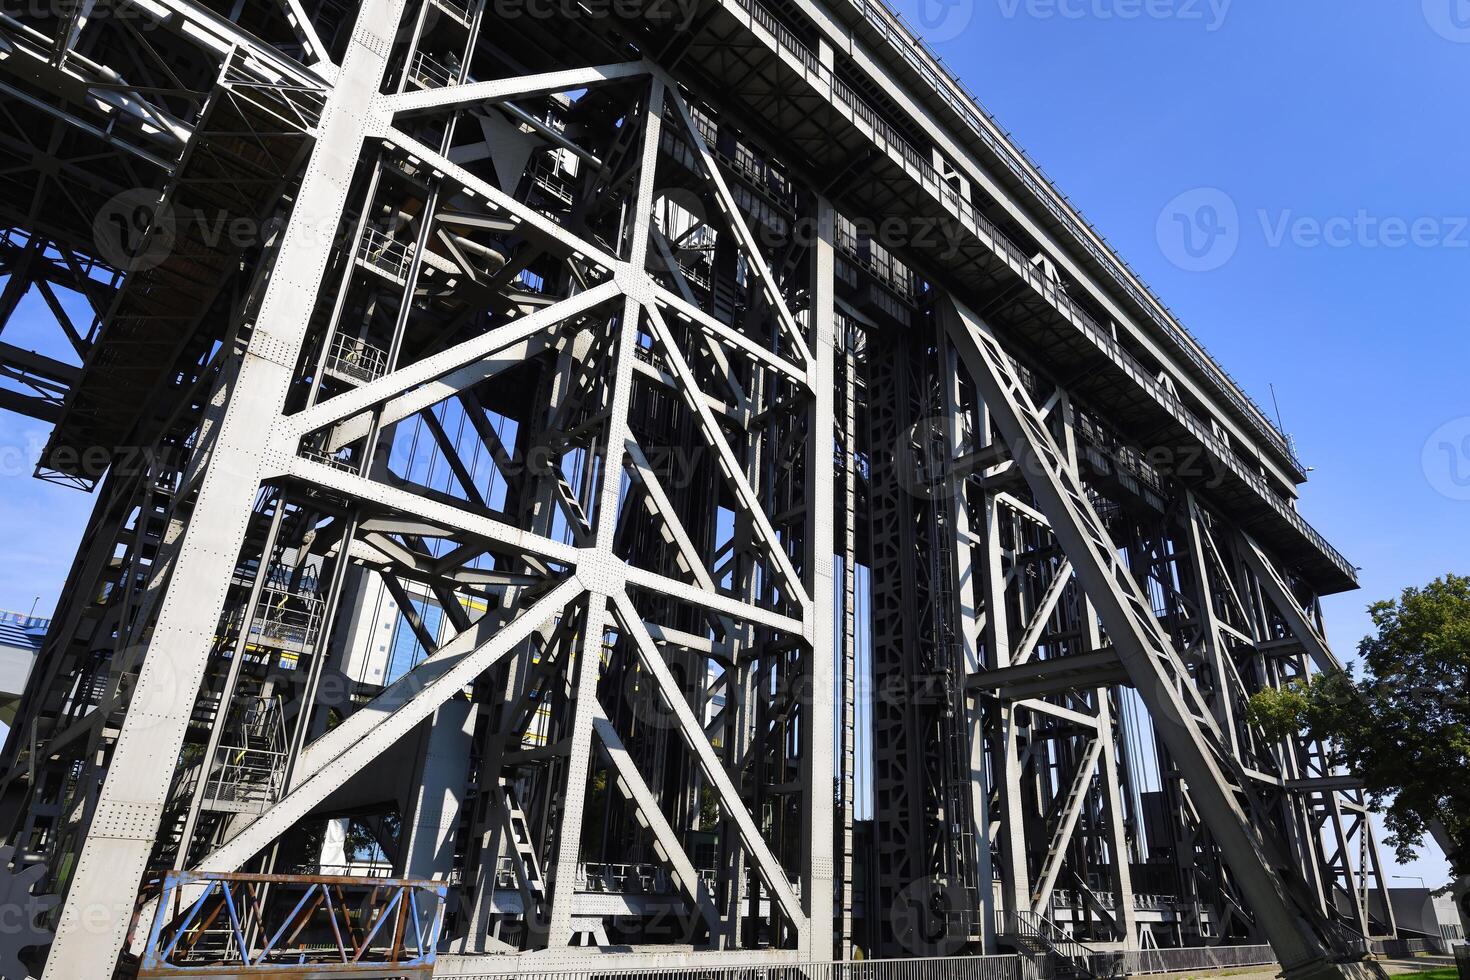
[(628, 486)]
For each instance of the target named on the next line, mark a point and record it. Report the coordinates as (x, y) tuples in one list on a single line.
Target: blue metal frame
[(405, 953)]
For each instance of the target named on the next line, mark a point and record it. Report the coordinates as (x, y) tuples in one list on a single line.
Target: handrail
[(1037, 927)]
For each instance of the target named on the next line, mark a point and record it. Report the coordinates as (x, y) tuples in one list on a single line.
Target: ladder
[(524, 860)]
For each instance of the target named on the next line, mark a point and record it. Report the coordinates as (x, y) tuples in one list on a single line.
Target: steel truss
[(570, 359)]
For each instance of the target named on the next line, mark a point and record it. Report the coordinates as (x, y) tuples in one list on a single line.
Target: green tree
[(1404, 726)]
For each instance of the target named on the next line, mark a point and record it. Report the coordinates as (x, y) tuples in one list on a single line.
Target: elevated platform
[(240, 160)]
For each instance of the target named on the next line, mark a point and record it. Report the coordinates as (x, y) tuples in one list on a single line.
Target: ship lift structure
[(623, 487)]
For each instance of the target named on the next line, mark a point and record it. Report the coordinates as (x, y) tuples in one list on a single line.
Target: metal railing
[(245, 780), (1142, 961), (547, 174), (24, 620), (695, 273), (339, 460), (384, 253), (457, 10), (213, 924), (1346, 939), (1411, 947), (1055, 952), (357, 869), (249, 770), (1003, 967), (430, 72), (647, 879), (888, 270), (355, 358), (1063, 898), (505, 872), (287, 620), (887, 138)]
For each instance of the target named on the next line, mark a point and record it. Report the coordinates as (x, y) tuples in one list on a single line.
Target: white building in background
[(20, 642), (1425, 916)]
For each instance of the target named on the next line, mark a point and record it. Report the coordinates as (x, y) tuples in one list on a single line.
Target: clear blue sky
[(1335, 130)]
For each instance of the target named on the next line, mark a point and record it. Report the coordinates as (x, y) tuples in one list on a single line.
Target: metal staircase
[(1057, 955), (249, 769), (524, 860)]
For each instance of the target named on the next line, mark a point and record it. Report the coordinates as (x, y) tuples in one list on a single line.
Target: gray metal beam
[(129, 809), (1296, 934)]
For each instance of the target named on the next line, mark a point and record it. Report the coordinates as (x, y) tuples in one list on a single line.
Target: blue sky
[(1330, 139)]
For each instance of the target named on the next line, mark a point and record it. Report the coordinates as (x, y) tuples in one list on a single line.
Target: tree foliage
[(1404, 726)]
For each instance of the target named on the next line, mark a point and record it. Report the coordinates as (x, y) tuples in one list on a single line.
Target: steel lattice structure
[(724, 415)]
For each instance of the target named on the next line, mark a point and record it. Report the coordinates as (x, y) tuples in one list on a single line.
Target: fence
[(1137, 962), (1410, 947), (938, 968)]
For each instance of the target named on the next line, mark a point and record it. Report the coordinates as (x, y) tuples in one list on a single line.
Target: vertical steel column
[(132, 799), (816, 734), (1007, 773), (599, 578), (966, 661), (1107, 734), (227, 693)]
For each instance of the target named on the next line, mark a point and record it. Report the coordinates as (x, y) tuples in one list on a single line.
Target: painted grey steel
[(584, 476)]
